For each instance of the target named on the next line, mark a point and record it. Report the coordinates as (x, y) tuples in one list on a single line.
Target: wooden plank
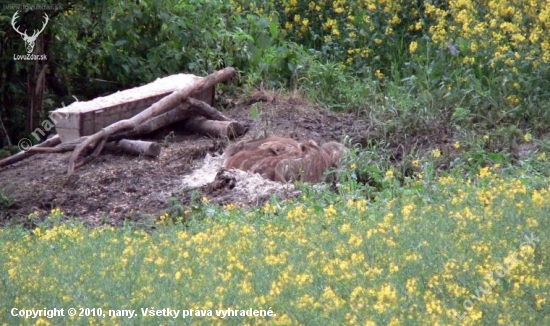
[(86, 118)]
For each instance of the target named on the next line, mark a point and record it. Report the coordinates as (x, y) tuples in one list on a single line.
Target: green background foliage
[(491, 58)]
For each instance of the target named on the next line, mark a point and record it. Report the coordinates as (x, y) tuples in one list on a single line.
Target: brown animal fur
[(277, 142), (244, 160), (284, 159), (266, 166), (309, 167), (336, 151)]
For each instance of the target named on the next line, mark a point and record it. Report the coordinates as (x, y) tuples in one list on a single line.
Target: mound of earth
[(117, 187)]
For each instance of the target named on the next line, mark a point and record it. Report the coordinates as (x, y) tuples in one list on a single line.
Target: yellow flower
[(330, 211), (468, 60), (331, 299), (389, 174), (395, 20), (379, 74), (540, 300), (436, 153), (537, 198), (457, 144), (527, 137), (346, 228), (411, 285), (269, 208), (512, 99), (484, 172), (289, 26), (413, 47), (330, 24), (355, 241)]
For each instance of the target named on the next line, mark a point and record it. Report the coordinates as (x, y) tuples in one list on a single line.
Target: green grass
[(417, 255)]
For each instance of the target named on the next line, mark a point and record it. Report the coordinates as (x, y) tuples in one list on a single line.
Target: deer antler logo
[(29, 40)]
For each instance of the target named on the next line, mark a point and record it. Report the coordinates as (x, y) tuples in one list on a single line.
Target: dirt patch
[(118, 187)]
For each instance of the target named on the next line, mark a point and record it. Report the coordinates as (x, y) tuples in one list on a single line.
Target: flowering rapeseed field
[(511, 33), (443, 253), (503, 47)]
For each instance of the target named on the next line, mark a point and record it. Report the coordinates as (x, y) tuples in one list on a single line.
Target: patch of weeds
[(364, 170), (4, 153), (5, 201), (55, 217), (330, 85), (198, 209)]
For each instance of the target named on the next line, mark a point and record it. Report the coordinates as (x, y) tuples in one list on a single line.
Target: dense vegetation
[(434, 235), (408, 65)]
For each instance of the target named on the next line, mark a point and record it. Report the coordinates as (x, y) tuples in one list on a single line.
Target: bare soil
[(118, 187)]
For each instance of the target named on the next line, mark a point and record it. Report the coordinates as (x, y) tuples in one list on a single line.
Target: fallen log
[(160, 121), (98, 140), (55, 140), (202, 108), (136, 147), (191, 107), (215, 128)]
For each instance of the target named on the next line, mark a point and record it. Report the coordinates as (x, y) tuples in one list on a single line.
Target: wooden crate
[(86, 118)]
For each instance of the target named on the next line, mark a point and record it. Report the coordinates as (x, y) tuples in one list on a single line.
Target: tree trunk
[(5, 131), (136, 147), (215, 128)]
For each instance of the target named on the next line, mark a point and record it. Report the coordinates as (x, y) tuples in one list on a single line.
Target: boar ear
[(233, 149), (335, 151), (309, 146), (270, 146)]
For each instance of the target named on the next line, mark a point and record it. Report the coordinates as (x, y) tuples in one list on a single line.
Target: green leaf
[(121, 42), (263, 23)]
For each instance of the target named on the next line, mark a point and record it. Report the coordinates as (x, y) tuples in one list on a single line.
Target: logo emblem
[(29, 40)]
